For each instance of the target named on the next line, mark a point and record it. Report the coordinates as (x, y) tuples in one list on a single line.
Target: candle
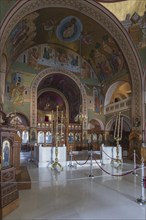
[(119, 119), (121, 127), (116, 126), (61, 121), (52, 122), (57, 120)]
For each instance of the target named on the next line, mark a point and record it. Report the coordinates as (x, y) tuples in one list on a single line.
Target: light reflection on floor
[(72, 194)]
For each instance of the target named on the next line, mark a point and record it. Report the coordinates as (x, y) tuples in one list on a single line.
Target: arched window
[(48, 137), (25, 137), (40, 137)]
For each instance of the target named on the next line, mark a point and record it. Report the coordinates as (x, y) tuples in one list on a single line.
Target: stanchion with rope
[(122, 174), (70, 162), (134, 159), (138, 158), (81, 164), (141, 200), (112, 159), (91, 165)]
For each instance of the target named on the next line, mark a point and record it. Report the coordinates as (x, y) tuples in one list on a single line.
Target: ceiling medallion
[(69, 29)]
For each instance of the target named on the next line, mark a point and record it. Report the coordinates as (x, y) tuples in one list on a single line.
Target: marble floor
[(72, 195)]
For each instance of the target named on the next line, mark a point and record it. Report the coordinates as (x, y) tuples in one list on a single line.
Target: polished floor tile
[(72, 195)]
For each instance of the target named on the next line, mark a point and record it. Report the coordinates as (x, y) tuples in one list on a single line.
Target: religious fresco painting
[(47, 103), (33, 56), (23, 33), (106, 58), (106, 62), (33, 135), (98, 99), (49, 100), (69, 29), (17, 89), (5, 153), (76, 35), (74, 31), (65, 37)]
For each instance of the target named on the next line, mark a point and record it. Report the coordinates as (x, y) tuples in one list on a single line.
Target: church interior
[(72, 109)]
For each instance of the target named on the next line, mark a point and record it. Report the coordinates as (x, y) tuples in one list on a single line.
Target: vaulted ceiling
[(65, 29), (71, 31)]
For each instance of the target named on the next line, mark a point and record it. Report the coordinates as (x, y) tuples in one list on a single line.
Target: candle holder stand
[(56, 164), (118, 138), (117, 159)]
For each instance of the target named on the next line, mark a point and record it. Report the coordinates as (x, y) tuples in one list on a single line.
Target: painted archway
[(59, 93), (39, 78)]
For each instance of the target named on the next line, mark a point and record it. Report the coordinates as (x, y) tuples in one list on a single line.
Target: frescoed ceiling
[(70, 30), (47, 26)]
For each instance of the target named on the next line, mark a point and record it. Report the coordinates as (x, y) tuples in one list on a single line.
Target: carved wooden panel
[(7, 199), (8, 186)]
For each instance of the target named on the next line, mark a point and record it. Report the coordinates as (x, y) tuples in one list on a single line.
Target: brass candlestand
[(118, 137), (56, 163)]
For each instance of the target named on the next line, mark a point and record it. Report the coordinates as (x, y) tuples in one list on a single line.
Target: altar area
[(44, 156)]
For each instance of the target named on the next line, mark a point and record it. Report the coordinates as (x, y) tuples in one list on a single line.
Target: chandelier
[(80, 117)]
